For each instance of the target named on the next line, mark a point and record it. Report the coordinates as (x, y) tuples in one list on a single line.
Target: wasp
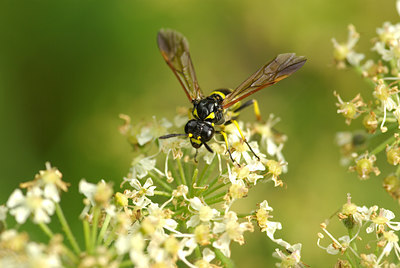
[(221, 107)]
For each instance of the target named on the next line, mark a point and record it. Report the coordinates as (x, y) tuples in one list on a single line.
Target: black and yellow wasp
[(211, 111)]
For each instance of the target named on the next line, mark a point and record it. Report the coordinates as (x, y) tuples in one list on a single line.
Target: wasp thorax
[(199, 132), (206, 109)]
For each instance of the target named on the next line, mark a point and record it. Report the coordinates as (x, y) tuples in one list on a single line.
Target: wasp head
[(199, 132)]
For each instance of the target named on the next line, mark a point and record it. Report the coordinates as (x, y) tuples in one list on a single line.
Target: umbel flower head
[(380, 116), (375, 221), (170, 211)]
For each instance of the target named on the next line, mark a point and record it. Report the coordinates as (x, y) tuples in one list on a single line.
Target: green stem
[(382, 146), (95, 222), (173, 171), (352, 243), (193, 182), (104, 228), (215, 199), (162, 193), (212, 190), (197, 252), (195, 176), (350, 259), (86, 233), (206, 171), (354, 246), (67, 229), (227, 262), (110, 238), (126, 263), (160, 182), (379, 134), (181, 172), (46, 229), (74, 259)]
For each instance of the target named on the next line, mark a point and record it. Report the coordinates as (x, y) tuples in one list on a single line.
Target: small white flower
[(345, 51), (142, 165), (37, 257), (146, 189), (135, 244), (231, 229), (290, 258), (384, 219), (33, 203), (88, 190), (392, 242), (152, 131), (203, 212), (157, 217)]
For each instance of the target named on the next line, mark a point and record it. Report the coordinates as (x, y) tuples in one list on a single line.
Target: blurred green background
[(68, 68)]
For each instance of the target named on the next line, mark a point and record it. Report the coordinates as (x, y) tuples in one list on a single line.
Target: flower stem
[(227, 262), (160, 182), (215, 199), (95, 222), (73, 258), (162, 193), (181, 171), (46, 229), (126, 263), (382, 146), (103, 228), (206, 171), (211, 190), (86, 233), (67, 229), (350, 259), (193, 183)]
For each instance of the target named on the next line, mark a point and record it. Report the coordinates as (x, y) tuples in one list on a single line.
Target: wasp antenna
[(172, 135)]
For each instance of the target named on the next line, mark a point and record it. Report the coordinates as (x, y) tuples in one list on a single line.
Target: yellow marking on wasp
[(257, 110), (240, 131), (218, 93), (198, 137), (195, 141), (190, 135), (212, 124), (225, 139), (195, 113), (211, 116)]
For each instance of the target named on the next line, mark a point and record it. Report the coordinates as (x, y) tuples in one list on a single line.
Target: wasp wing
[(274, 71), (175, 50)]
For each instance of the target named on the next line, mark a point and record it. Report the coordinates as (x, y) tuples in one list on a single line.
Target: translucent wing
[(175, 50), (274, 71)]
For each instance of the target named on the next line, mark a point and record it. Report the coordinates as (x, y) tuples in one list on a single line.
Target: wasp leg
[(244, 139), (247, 104), (208, 148), (195, 156), (227, 145)]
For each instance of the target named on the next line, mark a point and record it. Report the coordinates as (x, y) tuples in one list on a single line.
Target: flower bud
[(392, 185), (370, 123), (365, 166), (393, 155)]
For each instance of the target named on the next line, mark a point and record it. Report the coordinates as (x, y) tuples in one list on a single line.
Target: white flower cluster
[(380, 115), (187, 218), (374, 221), (172, 210)]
